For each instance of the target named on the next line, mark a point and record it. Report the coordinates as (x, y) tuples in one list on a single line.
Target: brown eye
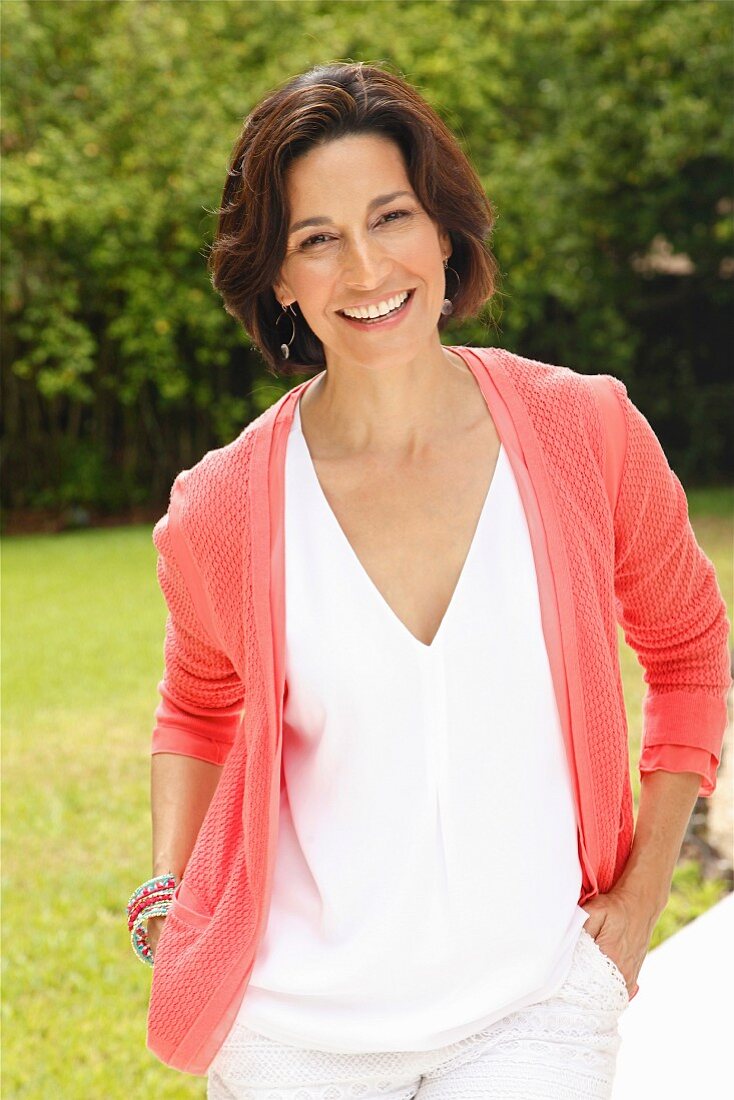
[(399, 213), (311, 240)]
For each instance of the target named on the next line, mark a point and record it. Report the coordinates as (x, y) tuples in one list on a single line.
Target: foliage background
[(601, 132)]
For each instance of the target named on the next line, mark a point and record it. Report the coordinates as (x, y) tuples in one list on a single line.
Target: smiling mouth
[(382, 316)]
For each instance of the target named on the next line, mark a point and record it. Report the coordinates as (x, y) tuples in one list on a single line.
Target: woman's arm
[(200, 709), (666, 803), (671, 609), (674, 617), (181, 788), (201, 694), (623, 920)]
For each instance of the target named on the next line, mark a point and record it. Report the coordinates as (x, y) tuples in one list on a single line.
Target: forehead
[(351, 170)]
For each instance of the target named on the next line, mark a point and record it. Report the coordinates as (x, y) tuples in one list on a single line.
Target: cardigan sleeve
[(671, 610), (201, 693)]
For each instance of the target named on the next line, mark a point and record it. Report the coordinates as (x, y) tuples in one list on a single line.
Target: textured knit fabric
[(561, 1048), (632, 560), (372, 945)]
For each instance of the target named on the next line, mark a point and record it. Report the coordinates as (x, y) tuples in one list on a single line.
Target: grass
[(83, 653), (83, 634)]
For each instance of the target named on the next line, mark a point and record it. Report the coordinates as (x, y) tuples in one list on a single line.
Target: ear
[(282, 293), (446, 244)]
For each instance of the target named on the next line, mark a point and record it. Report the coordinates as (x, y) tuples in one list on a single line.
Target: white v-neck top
[(427, 872)]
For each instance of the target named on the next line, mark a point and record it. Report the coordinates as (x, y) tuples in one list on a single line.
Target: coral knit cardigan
[(612, 543)]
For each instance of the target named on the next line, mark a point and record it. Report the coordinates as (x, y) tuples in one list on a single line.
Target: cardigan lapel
[(281, 430), (265, 532), (517, 433), (267, 557)]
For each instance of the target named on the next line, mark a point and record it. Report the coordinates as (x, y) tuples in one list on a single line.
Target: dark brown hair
[(323, 104)]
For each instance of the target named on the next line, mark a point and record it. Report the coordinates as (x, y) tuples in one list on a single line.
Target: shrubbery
[(602, 132)]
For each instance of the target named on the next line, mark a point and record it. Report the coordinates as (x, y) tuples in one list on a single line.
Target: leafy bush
[(597, 129)]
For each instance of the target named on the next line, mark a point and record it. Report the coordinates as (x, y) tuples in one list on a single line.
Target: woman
[(390, 776)]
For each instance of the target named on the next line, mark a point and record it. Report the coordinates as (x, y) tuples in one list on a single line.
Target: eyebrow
[(371, 206)]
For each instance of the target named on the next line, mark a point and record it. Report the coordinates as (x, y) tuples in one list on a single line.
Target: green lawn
[(83, 636)]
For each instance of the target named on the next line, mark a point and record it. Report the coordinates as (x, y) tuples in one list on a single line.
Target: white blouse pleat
[(427, 872)]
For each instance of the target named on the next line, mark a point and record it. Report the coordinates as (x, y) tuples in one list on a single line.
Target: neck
[(353, 410)]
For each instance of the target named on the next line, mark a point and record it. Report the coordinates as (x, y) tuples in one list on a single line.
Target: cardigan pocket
[(187, 908)]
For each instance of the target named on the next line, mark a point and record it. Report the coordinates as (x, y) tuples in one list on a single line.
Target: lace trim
[(580, 1021)]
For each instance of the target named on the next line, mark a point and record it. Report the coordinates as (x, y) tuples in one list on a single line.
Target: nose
[(366, 265)]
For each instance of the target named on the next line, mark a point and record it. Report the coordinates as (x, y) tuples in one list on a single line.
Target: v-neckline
[(434, 644)]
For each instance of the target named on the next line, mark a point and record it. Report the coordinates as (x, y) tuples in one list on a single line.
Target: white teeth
[(366, 312)]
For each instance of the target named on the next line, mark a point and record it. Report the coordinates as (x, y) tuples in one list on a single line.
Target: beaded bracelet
[(156, 889), (151, 899), (137, 907)]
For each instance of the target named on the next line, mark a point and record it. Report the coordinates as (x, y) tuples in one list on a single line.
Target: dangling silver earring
[(285, 348), (448, 306)]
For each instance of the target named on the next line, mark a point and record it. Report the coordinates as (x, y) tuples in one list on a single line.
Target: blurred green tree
[(602, 133)]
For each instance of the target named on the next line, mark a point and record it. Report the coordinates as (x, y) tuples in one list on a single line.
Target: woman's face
[(361, 250)]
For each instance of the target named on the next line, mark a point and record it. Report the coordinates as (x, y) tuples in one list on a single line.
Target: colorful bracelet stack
[(151, 899)]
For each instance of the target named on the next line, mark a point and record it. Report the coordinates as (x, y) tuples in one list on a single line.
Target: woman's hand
[(154, 926), (622, 927)]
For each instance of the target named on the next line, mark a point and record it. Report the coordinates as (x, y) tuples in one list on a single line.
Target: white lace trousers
[(562, 1048)]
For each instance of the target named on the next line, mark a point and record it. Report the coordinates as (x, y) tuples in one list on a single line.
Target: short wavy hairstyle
[(323, 104)]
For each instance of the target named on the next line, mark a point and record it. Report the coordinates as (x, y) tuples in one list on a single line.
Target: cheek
[(425, 255), (314, 288)]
